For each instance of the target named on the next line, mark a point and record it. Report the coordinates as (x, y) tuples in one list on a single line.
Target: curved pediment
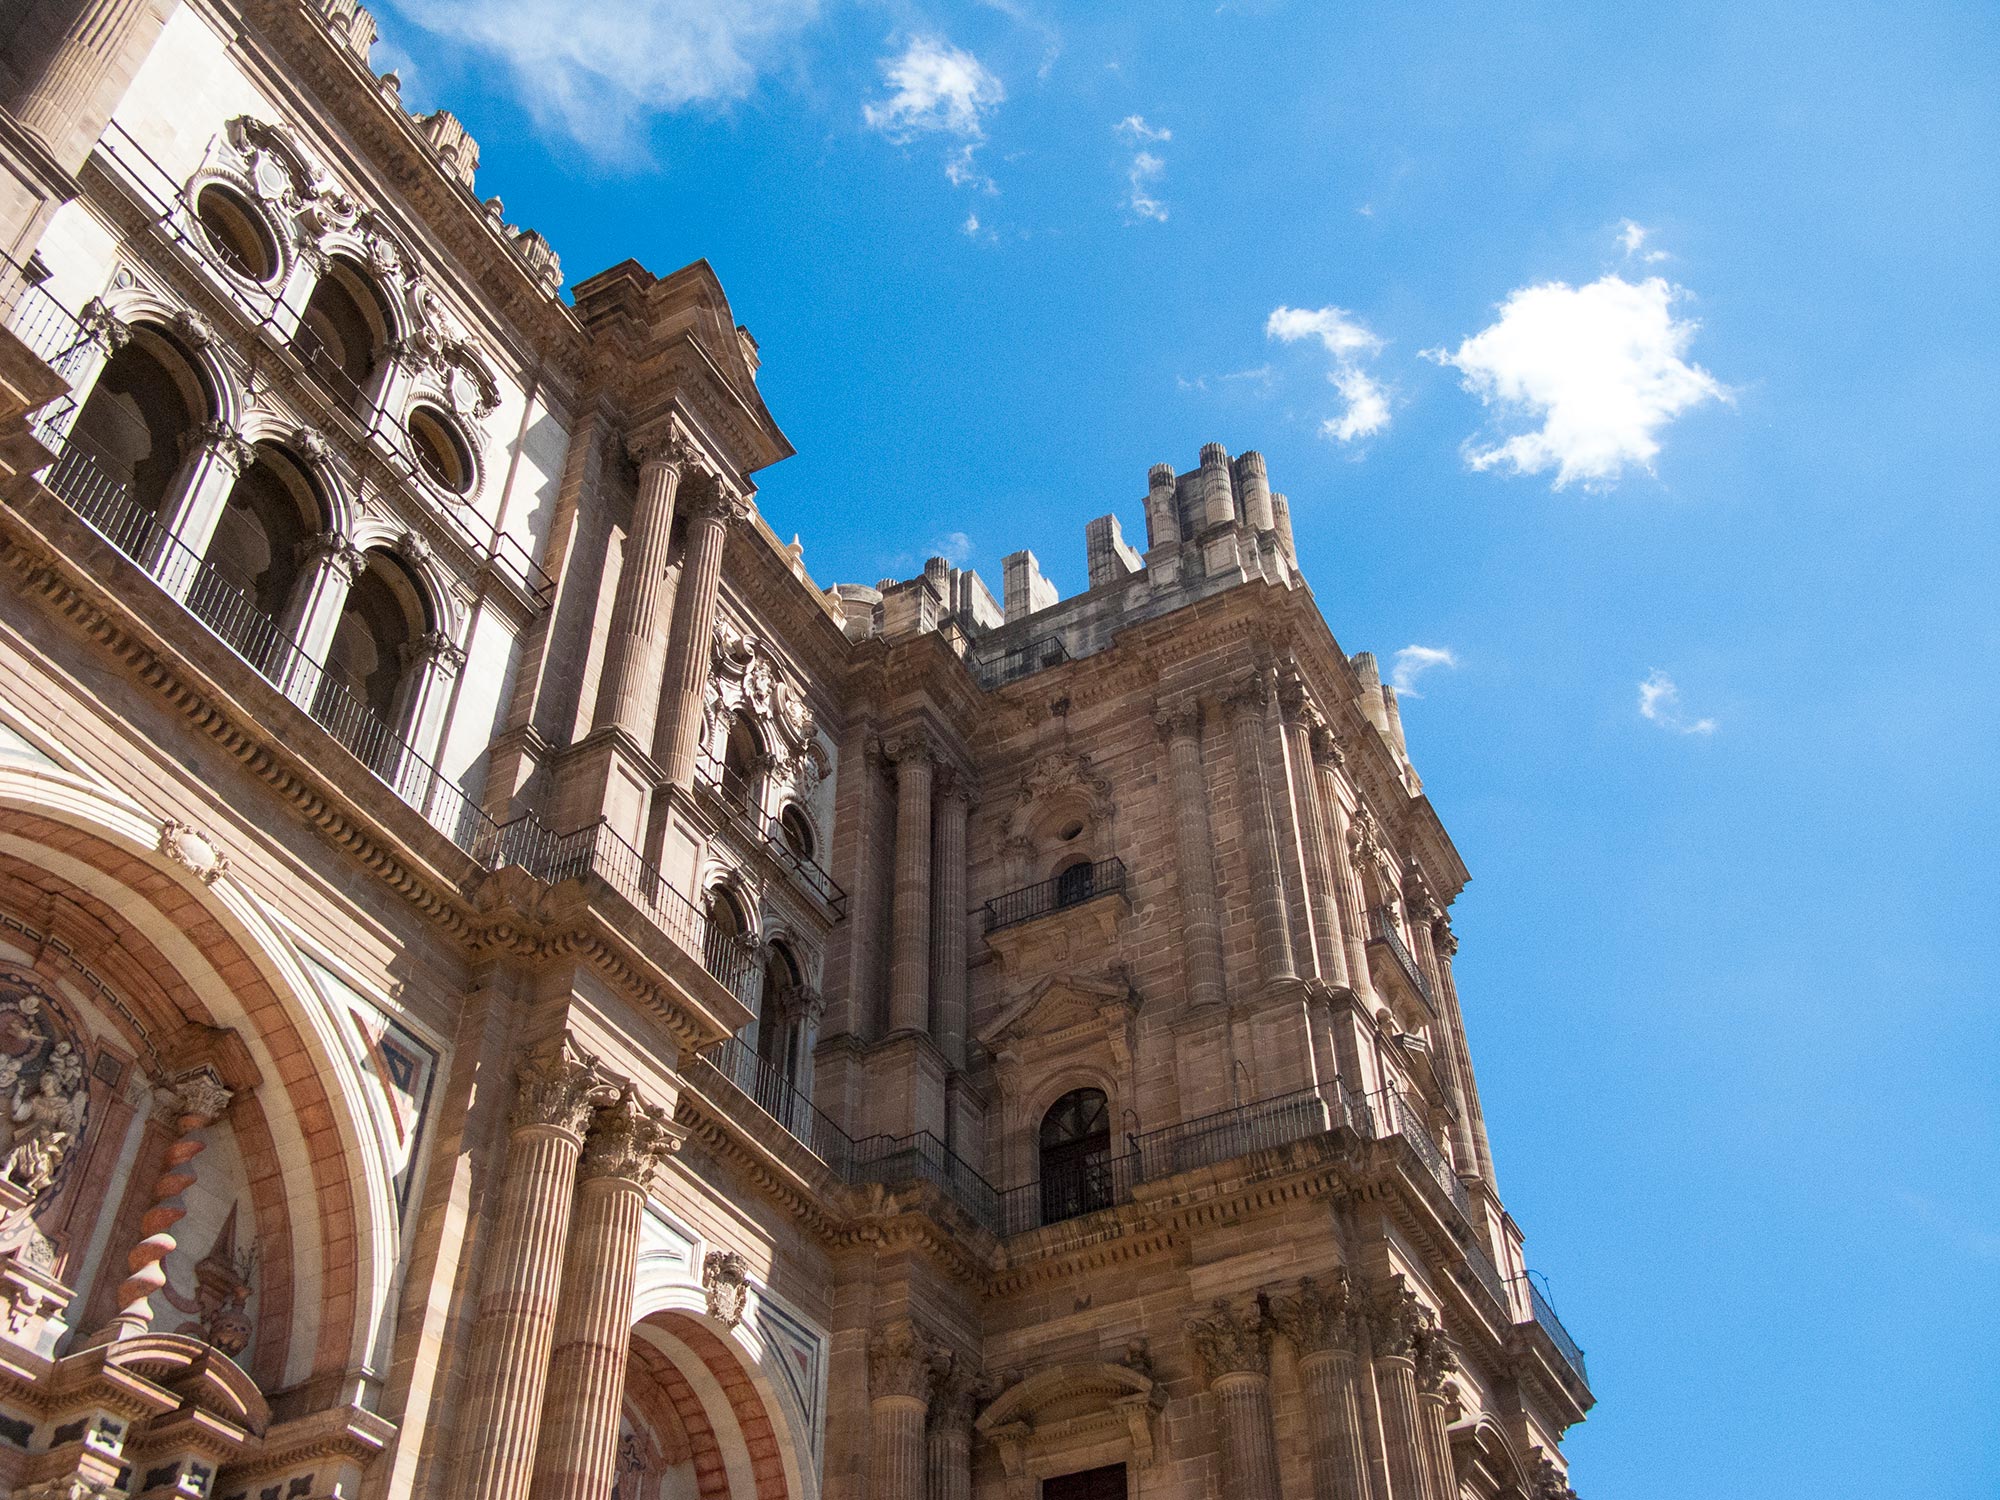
[(200, 1374), (1070, 1402)]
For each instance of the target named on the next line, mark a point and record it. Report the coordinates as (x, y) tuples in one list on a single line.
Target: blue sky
[(1639, 358)]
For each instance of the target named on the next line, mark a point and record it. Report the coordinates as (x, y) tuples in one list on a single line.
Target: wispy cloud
[(1660, 703), (1412, 662), (1602, 368), (1146, 169), (1350, 344), (1633, 237), (936, 89), (596, 74), (955, 547)]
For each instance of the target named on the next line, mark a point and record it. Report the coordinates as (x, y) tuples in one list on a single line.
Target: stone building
[(510, 989)]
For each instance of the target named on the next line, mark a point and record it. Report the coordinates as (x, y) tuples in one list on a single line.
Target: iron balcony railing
[(1382, 929), (922, 1157), (1072, 887), (1069, 1192), (1002, 667), (1544, 1316), (737, 794), (777, 1096), (1480, 1264), (1404, 1119)]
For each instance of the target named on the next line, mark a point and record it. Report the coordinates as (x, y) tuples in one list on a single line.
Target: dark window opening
[(343, 333), (236, 233), (1107, 1483), (1076, 884), (1076, 1156), (441, 450), (798, 831), (740, 754)]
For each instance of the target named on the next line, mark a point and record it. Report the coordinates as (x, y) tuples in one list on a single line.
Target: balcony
[(1544, 1317), (1002, 667), (1072, 887), (736, 795), (767, 1087), (1385, 939)]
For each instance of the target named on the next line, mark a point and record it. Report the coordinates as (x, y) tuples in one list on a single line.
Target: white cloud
[(1350, 343), (970, 227), (961, 169), (595, 73), (955, 547), (1601, 367), (1412, 662), (937, 89), (1660, 703), (1146, 170), (1135, 128), (1633, 237)]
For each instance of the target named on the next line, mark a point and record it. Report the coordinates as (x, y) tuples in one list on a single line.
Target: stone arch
[(153, 394), (1025, 1118), (140, 308), (195, 949)]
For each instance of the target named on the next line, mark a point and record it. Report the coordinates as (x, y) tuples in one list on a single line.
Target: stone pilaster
[(1326, 1329), (1194, 852), (1321, 905), (910, 910), (712, 511), (514, 1330), (948, 875), (1268, 916), (330, 565), (216, 456), (1399, 1324), (954, 1402), (902, 1368), (1233, 1346), (1328, 758), (577, 1452), (629, 696), (1422, 911)]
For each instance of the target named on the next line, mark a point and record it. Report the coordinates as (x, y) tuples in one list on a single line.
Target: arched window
[(1075, 882), (236, 232), (374, 648), (797, 830), (722, 943), (778, 1029), (273, 508), (132, 429), (740, 754), (343, 332), (1076, 1155)]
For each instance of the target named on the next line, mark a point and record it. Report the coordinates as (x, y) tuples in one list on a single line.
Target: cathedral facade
[(509, 990)]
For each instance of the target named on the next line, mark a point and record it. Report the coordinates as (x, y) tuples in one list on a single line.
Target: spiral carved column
[(195, 1103), (1234, 1348)]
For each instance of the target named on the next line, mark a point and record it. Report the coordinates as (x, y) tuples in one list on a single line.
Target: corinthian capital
[(1546, 1481), (1320, 1319), (1442, 935), (912, 746), (1294, 701), (110, 332), (1247, 699), (1326, 747), (903, 1360), (1232, 1341), (1398, 1320), (666, 447), (629, 1140), (225, 443), (710, 499), (557, 1086)]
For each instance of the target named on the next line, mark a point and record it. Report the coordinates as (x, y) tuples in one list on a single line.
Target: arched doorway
[(1075, 1146), (700, 1422)]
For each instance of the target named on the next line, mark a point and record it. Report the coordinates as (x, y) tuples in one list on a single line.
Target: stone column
[(1234, 1348), (514, 1330), (70, 100), (1435, 1403), (1326, 1329), (953, 1403), (430, 663), (711, 512), (1399, 1323), (1299, 721), (1422, 910), (1194, 852), (1328, 758), (1273, 928), (194, 1103), (630, 695), (215, 457), (901, 1361), (910, 911), (948, 874), (1444, 943), (578, 1448), (331, 564)]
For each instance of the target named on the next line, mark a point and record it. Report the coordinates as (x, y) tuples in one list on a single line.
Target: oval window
[(236, 233), (798, 832), (441, 451)]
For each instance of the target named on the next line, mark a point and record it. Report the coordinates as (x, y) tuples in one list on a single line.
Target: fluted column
[(630, 695), (953, 1401), (193, 1104), (1234, 1348), (910, 910), (514, 1329), (712, 510), (1422, 910), (577, 1453), (1435, 1403), (1444, 943), (1326, 1329), (1260, 835), (1194, 852), (70, 100), (1399, 1322), (215, 457), (900, 1375), (1299, 719), (1328, 758), (948, 994)]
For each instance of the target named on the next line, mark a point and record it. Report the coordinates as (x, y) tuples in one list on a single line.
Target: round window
[(440, 449), (236, 233)]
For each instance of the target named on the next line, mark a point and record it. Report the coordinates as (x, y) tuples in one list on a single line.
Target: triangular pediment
[(1059, 1003)]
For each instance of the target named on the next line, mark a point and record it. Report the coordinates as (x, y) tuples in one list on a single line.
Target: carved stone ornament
[(670, 449), (46, 1121), (1326, 747), (1445, 939), (1417, 899), (194, 329), (1248, 699), (1399, 1321), (338, 551), (72, 1488), (901, 1359), (1181, 720), (709, 499), (725, 1279), (311, 445), (1365, 838), (556, 1088), (957, 1394), (1294, 701), (225, 442), (436, 646), (198, 1097), (1065, 771), (1546, 1481), (193, 850), (1320, 1319), (415, 546), (1230, 1341), (629, 1140), (110, 331)]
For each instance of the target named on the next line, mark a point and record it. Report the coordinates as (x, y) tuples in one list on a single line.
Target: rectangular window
[(1107, 1483)]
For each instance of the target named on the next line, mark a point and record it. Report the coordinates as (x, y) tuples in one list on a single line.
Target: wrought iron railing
[(1400, 1117), (1002, 667), (777, 1096), (736, 793), (1544, 1316), (1382, 929), (1072, 887), (922, 1157), (1069, 1192), (1245, 1128), (1480, 1264)]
